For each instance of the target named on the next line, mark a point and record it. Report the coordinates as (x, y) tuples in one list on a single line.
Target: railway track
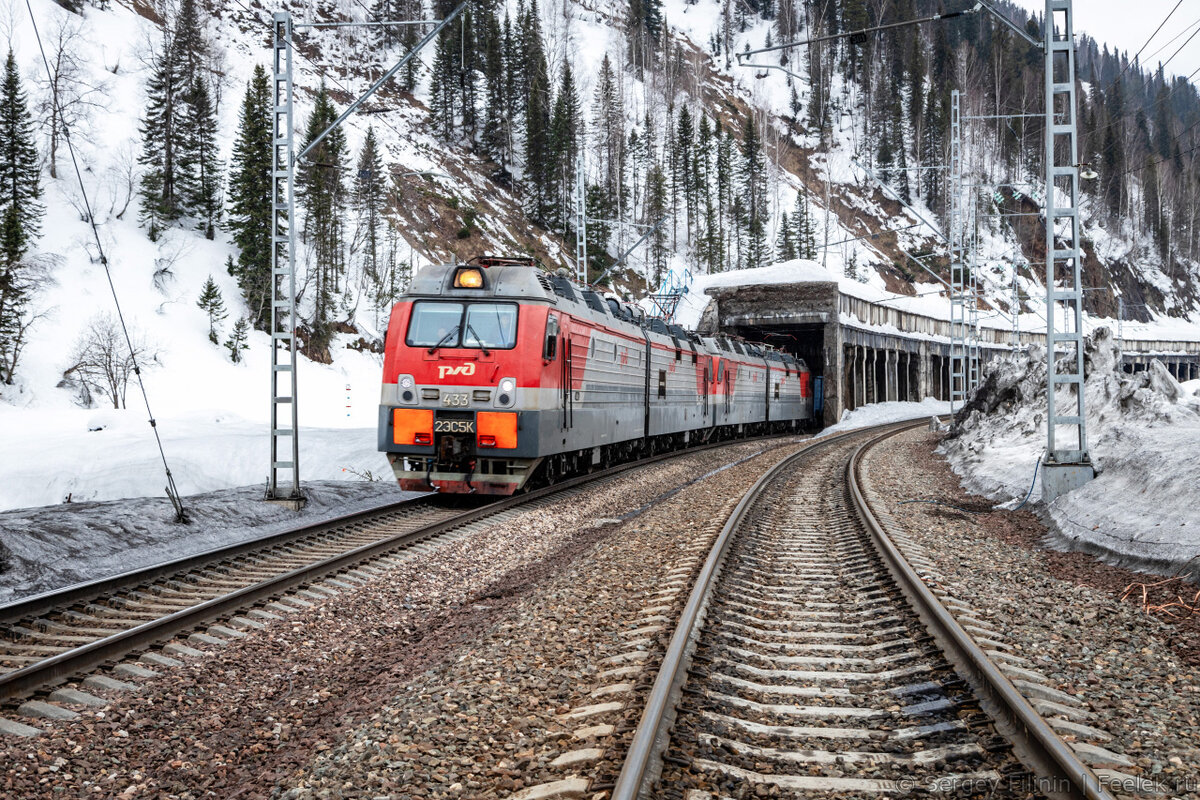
[(153, 614), (811, 657)]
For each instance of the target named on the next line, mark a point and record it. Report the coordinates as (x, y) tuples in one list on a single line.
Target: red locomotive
[(498, 375)]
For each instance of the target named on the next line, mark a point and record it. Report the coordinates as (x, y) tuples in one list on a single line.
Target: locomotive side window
[(434, 324), (550, 348), (662, 383)]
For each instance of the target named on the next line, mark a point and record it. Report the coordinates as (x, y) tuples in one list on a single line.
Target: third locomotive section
[(499, 376)]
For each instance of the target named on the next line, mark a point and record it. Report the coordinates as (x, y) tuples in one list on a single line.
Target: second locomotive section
[(498, 375)]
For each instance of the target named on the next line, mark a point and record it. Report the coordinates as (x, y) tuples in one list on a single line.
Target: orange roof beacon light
[(468, 278)]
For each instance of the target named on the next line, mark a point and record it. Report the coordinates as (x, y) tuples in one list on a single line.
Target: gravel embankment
[(443, 679), (1139, 674)]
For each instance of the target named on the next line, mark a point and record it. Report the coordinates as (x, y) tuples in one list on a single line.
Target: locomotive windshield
[(471, 325)]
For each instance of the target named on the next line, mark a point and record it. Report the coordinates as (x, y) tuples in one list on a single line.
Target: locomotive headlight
[(407, 395), (507, 392), (468, 278)]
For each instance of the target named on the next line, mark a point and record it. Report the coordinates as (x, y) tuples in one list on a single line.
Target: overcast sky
[(1127, 24)]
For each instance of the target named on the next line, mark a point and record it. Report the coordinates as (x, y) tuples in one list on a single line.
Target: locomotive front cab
[(454, 372)]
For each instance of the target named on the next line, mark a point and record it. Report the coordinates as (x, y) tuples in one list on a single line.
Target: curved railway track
[(56, 637), (811, 657)]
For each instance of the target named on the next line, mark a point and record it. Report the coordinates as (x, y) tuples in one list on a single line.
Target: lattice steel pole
[(1016, 310), (958, 327), (580, 220), (285, 439), (1066, 465), (972, 304)]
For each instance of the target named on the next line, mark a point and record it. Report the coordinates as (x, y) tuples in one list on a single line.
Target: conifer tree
[(20, 214), (199, 164), (320, 180), (564, 139), (213, 306), (178, 66), (806, 233), (236, 343), (494, 136), (161, 127), (609, 126), (785, 245), (250, 213), (20, 184), (754, 195), (683, 178), (369, 199), (656, 207), (539, 166)]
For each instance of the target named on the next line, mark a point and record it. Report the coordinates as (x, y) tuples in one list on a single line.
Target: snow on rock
[(883, 413), (1144, 440), (48, 548)]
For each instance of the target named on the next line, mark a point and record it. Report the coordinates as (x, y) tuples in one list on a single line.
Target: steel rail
[(1035, 743), (644, 762), (79, 592), (1059, 770), (58, 668)]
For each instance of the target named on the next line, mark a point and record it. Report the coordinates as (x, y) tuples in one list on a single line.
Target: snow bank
[(883, 413), (104, 455), (1144, 438), (42, 549)]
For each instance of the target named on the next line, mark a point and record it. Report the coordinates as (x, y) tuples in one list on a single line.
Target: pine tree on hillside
[(443, 97), (321, 185), (189, 45), (369, 200), (213, 306), (656, 208), (236, 343), (806, 231), (161, 132), (754, 196), (785, 245), (683, 177), (609, 126), (539, 166), (20, 215), (250, 213), (494, 137), (199, 164), (20, 185), (564, 141)]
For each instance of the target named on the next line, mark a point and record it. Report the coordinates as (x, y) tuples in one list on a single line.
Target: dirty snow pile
[(883, 413), (1144, 439)]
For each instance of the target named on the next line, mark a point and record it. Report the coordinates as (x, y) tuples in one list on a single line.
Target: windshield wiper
[(444, 339), (478, 340)]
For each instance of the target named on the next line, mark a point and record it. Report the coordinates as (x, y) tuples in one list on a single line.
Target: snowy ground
[(51, 454), (883, 413), (47, 548), (1144, 438)]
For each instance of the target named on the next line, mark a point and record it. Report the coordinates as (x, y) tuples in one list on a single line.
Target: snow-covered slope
[(212, 413)]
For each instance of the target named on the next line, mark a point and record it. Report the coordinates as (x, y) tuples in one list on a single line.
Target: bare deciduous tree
[(102, 360), (68, 99)]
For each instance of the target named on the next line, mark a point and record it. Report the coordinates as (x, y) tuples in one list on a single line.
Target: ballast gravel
[(442, 678), (1139, 674)]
